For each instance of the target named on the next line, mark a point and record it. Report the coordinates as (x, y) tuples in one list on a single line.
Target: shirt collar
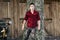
[(30, 11)]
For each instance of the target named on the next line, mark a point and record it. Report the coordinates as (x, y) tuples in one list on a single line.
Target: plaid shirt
[(32, 18)]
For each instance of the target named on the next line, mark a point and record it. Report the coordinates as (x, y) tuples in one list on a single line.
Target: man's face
[(32, 7)]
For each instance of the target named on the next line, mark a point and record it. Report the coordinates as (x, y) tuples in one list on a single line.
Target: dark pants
[(28, 33)]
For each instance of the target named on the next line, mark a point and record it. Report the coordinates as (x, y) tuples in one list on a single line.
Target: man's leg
[(33, 33), (28, 33)]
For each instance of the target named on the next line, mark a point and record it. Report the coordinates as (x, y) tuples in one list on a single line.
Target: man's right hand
[(22, 28), (23, 25)]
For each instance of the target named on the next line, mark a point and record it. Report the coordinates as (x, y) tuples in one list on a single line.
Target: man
[(32, 18)]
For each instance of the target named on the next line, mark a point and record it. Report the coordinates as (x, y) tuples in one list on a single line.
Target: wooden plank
[(52, 27), (22, 12), (23, 1), (10, 13)]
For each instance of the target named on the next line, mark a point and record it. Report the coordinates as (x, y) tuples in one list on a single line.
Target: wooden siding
[(52, 11), (13, 10)]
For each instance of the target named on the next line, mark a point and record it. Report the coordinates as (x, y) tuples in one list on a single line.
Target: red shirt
[(32, 18)]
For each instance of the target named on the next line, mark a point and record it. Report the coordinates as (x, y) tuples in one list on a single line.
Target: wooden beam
[(23, 1), (0, 0), (46, 19), (6, 0), (49, 1), (52, 0)]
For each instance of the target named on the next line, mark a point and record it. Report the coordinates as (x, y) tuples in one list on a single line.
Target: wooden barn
[(52, 17), (16, 9)]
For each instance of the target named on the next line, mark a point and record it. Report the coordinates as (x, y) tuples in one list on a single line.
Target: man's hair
[(32, 4)]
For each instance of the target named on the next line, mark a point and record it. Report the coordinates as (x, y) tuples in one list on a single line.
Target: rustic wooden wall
[(16, 10), (13, 10), (52, 17)]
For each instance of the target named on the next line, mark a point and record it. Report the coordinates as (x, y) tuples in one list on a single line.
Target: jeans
[(30, 30)]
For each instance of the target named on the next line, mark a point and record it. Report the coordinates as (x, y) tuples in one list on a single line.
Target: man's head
[(32, 6)]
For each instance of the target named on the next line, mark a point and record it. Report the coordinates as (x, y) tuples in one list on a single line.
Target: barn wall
[(13, 10), (52, 17), (16, 10)]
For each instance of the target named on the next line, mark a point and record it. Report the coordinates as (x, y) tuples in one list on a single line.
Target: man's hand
[(22, 28), (39, 25), (23, 25), (38, 28)]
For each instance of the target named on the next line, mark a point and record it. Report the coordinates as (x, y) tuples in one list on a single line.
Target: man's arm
[(38, 24), (25, 19), (23, 24)]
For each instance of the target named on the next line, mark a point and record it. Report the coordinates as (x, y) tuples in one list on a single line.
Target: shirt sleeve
[(26, 17), (38, 17)]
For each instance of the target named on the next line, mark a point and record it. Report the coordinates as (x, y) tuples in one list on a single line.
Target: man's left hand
[(39, 28)]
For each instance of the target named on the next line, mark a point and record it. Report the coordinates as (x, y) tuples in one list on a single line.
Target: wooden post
[(15, 18)]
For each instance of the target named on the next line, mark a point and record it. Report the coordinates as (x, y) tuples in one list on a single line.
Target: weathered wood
[(23, 1), (16, 10), (13, 10), (51, 11)]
